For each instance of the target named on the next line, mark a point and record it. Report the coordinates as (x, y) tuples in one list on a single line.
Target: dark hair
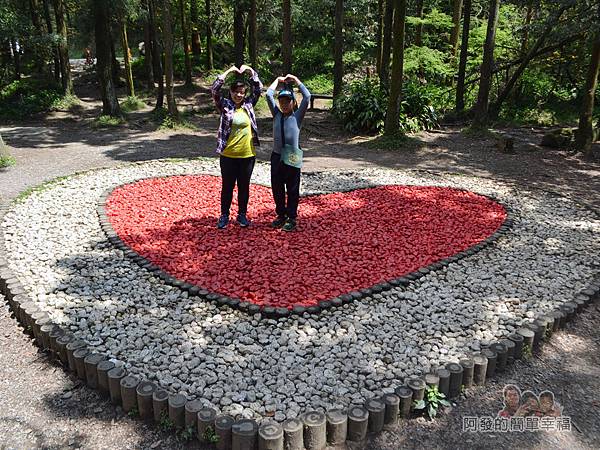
[(236, 84), (547, 394)]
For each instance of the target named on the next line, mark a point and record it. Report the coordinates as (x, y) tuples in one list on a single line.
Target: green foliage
[(7, 161), (429, 61), (527, 351), (167, 122), (165, 423), (65, 103), (313, 59), (432, 402), (107, 122), (187, 433), (133, 412), (132, 104), (319, 84), (362, 107), (210, 436), (20, 99)]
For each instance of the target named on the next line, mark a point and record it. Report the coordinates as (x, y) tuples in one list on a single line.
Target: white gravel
[(250, 367)]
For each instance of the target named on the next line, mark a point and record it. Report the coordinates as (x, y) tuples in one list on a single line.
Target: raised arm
[(270, 95), (305, 96), (215, 89), (256, 84)]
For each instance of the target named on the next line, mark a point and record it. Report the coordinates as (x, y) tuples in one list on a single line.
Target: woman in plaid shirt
[(236, 140)]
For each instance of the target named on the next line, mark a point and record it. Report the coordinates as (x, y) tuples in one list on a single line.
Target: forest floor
[(43, 407)]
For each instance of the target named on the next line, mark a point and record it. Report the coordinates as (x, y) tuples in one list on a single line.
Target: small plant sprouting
[(133, 412), (432, 401), (527, 351), (210, 436), (548, 333), (187, 433), (165, 423)]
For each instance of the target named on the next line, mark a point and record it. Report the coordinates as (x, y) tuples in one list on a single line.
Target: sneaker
[(279, 222), (243, 220), (223, 221), (290, 225)]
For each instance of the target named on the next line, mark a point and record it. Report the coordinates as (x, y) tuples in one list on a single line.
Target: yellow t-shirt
[(239, 143)]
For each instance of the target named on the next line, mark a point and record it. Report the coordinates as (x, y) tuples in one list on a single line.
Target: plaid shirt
[(227, 108)]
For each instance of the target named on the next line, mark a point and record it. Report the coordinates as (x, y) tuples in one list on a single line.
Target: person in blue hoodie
[(285, 179)]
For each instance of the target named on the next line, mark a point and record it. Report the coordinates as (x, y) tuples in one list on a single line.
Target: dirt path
[(42, 407)]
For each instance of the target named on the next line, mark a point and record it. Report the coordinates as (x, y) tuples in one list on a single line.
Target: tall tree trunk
[(209, 52), (462, 66), (186, 45), (495, 107), (392, 116), (338, 49), (485, 82), (528, 17), (16, 58), (110, 104), (63, 48), (419, 31), (252, 34), (286, 44), (125, 45), (194, 14), (238, 32), (115, 65), (168, 41), (148, 50), (585, 133), (455, 26), (48, 20), (379, 36), (34, 8), (156, 56), (386, 46)]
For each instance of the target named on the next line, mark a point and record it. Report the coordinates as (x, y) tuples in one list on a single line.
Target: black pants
[(235, 170), (285, 178)]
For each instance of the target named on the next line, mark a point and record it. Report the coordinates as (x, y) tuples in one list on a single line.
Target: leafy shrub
[(28, 96), (107, 122), (363, 107), (132, 104), (320, 84)]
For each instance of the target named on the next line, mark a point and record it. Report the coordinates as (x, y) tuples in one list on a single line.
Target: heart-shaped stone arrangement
[(345, 241)]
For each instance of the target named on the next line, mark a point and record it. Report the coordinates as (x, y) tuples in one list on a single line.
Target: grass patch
[(65, 103), (166, 122), (320, 84), (6, 161), (40, 188), (107, 122), (398, 141), (132, 103)]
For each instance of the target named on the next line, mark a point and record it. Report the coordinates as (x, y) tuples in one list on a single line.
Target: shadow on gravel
[(18, 433)]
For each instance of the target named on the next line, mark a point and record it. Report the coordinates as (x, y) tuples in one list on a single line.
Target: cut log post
[(315, 430), (129, 385), (527, 336), (177, 410), (358, 423), (479, 369), (467, 378), (144, 392), (270, 436), (114, 383), (444, 385), (191, 413), (392, 408), (206, 420), (223, 426), (160, 407), (71, 347), (456, 374), (293, 434), (418, 387), (337, 426), (501, 356), (405, 394), (102, 369), (518, 340), (244, 434), (91, 362), (510, 350), (432, 379), (61, 347), (376, 408), (491, 361), (537, 335), (79, 356)]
